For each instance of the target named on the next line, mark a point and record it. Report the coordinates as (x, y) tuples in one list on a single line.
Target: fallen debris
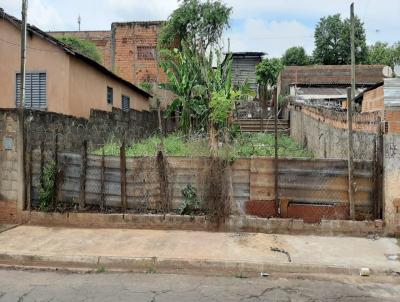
[(365, 272)]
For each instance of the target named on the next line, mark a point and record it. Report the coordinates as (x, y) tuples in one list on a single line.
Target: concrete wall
[(325, 132), (73, 86)]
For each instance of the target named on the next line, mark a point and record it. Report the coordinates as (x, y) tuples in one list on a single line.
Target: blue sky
[(270, 26)]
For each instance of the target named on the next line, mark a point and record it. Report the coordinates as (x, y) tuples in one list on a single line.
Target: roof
[(247, 54), (330, 75), (41, 34), (140, 23), (360, 96), (323, 92)]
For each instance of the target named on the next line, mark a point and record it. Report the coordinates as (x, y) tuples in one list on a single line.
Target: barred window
[(35, 90), (125, 103), (146, 52), (110, 95)]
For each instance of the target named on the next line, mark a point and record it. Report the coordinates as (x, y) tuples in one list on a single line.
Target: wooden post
[(55, 193), (353, 53), (102, 179), (41, 163), (82, 185), (276, 166), (123, 176), (350, 153)]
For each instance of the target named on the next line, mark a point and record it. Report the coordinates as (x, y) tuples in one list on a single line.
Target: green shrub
[(47, 188), (191, 203)]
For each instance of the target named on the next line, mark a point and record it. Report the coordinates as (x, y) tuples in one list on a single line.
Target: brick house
[(58, 78), (129, 49)]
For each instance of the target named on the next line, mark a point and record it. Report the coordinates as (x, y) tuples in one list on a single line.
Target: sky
[(269, 26)]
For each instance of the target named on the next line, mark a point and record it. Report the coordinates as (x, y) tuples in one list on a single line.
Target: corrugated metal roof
[(392, 92), (329, 75)]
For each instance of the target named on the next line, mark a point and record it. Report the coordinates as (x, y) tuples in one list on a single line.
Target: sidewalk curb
[(170, 265)]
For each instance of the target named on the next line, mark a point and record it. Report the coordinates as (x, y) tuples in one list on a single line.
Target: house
[(326, 85), (59, 79), (244, 68), (129, 49)]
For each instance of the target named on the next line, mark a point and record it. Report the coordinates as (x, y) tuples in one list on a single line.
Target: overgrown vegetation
[(191, 202), (46, 193), (243, 145), (85, 47)]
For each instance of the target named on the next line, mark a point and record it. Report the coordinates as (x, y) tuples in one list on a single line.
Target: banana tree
[(184, 80)]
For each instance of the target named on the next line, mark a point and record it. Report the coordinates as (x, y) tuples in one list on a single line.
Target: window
[(110, 95), (125, 103), (35, 90), (146, 53)]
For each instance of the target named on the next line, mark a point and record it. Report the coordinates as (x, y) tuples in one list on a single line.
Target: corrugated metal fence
[(300, 181)]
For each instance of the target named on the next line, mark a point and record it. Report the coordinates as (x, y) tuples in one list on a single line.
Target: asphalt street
[(23, 286)]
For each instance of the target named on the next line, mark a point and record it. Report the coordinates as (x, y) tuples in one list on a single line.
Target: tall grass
[(245, 145)]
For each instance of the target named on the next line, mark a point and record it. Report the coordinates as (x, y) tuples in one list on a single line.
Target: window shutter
[(125, 104), (35, 90)]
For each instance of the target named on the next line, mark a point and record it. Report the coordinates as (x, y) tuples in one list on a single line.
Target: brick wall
[(373, 100), (135, 49), (325, 132)]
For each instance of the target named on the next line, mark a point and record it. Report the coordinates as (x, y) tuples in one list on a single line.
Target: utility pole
[(276, 164), (21, 131), (79, 23), (23, 53), (350, 97)]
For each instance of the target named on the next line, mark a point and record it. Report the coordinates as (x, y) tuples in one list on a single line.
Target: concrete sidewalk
[(186, 251)]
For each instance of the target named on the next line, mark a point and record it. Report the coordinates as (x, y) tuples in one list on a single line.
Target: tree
[(295, 56), (380, 53), (199, 24), (332, 41), (268, 70), (85, 47), (182, 68)]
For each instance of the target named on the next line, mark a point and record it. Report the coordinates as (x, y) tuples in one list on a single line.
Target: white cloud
[(40, 14), (271, 37), (141, 10)]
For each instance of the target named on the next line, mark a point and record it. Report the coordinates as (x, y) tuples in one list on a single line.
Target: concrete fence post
[(391, 155)]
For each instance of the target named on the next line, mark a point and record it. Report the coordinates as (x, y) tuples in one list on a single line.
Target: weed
[(100, 269), (191, 203), (240, 276), (151, 270), (46, 193), (243, 145)]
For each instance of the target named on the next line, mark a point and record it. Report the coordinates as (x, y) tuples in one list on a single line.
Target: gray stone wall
[(102, 127)]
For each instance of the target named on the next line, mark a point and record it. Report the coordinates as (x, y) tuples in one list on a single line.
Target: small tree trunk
[(212, 132)]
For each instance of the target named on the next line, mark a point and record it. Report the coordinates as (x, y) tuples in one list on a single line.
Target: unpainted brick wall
[(373, 100)]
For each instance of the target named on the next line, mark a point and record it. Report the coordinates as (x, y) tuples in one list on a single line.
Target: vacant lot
[(244, 145)]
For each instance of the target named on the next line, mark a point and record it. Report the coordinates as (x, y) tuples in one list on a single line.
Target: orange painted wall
[(73, 86)]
